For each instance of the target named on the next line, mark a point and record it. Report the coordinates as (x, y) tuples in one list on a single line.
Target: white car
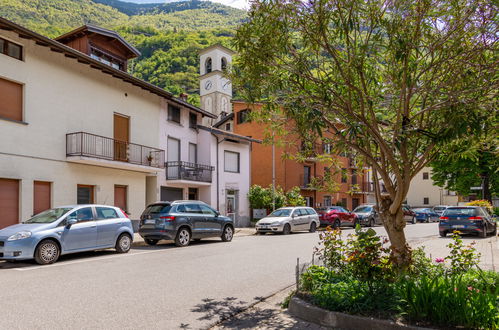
[(289, 219)]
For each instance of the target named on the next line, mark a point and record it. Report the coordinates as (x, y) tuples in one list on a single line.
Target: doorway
[(193, 194), (231, 204), (121, 136)]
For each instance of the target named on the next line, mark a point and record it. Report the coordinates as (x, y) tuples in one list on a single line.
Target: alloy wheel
[(184, 237), (125, 243), (228, 234), (49, 252)]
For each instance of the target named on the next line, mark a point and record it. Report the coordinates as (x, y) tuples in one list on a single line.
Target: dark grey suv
[(182, 221)]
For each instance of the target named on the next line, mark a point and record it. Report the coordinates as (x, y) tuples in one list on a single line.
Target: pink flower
[(470, 288), (439, 260)]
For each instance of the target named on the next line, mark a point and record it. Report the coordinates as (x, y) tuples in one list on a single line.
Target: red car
[(336, 216)]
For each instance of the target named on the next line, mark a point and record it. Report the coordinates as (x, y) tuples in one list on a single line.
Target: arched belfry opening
[(224, 63), (207, 65)]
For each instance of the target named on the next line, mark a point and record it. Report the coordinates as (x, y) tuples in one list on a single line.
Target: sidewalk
[(240, 232)]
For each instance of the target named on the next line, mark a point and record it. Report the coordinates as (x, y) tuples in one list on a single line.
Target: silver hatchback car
[(64, 230), (289, 219)]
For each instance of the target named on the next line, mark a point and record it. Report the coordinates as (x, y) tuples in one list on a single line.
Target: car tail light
[(444, 218), (126, 214), (168, 218), (475, 218)]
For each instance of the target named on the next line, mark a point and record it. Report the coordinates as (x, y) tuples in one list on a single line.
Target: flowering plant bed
[(359, 278)]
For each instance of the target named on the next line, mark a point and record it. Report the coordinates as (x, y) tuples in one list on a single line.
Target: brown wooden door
[(41, 196), (121, 136), (120, 197), (9, 202)]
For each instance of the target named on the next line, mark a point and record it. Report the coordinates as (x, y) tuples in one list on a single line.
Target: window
[(193, 120), (224, 63), (231, 161), (426, 201), (11, 100), (344, 202), (425, 175), (173, 113), (85, 194), (193, 153), (107, 58), (344, 176), (243, 116), (227, 127), (311, 212), (81, 215), (306, 175), (189, 208), (207, 65), (327, 201), (11, 49), (207, 210), (104, 213), (354, 176), (327, 148)]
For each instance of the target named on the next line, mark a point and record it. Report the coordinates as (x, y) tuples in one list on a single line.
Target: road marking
[(90, 259)]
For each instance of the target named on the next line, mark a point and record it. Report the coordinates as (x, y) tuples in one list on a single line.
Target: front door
[(120, 197), (108, 223), (121, 137), (193, 194), (231, 205), (83, 234)]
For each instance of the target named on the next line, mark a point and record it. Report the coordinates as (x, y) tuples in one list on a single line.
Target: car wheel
[(483, 233), (494, 233), (443, 234), (183, 237), (47, 252), (151, 241), (336, 224), (428, 219), (313, 227), (227, 234), (371, 222), (287, 229), (124, 243), (413, 221)]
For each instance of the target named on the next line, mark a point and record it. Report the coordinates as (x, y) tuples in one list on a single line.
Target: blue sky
[(241, 4)]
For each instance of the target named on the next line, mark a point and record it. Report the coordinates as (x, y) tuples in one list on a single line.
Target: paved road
[(159, 287)]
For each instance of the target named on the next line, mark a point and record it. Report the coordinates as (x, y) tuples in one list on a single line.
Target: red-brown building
[(351, 182)]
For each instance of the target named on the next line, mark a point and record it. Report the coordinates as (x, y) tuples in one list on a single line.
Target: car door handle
[(93, 226)]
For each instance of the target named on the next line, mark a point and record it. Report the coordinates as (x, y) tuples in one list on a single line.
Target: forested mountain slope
[(169, 35)]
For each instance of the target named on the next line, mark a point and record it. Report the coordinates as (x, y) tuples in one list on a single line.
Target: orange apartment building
[(351, 181)]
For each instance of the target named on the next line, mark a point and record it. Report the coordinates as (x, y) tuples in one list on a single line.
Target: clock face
[(208, 84)]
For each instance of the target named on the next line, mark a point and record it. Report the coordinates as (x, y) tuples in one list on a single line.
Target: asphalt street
[(160, 287)]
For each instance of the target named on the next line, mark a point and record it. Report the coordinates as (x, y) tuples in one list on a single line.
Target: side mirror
[(217, 214), (70, 222)]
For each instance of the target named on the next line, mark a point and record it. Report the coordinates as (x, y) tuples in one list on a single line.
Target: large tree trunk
[(394, 225)]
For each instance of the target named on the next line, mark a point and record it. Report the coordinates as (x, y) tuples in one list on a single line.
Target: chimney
[(183, 96)]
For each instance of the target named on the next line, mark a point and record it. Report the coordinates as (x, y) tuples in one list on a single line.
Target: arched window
[(207, 65), (224, 63)]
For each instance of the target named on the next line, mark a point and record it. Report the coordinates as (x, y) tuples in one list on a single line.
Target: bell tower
[(215, 90)]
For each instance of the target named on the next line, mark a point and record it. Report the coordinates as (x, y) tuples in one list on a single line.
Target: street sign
[(475, 188)]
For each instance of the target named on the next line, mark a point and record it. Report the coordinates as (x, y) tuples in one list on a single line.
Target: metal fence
[(302, 267)]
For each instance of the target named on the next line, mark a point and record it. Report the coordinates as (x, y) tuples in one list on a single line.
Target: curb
[(139, 241), (308, 312)]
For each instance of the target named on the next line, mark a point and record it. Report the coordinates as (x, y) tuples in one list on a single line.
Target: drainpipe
[(218, 171)]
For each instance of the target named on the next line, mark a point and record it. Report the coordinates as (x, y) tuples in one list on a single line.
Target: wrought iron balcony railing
[(178, 170), (96, 146)]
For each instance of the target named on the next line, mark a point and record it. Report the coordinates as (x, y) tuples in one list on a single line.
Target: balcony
[(311, 182), (185, 171), (366, 188), (98, 150), (312, 151)]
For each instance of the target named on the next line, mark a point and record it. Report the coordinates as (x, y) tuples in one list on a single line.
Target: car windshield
[(158, 208), (363, 209), (49, 215), (467, 212), (280, 213)]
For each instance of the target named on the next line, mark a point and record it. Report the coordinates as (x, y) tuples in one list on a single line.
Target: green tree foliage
[(393, 81), (261, 198), (169, 36), (293, 198)]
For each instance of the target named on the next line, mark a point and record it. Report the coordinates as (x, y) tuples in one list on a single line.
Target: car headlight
[(277, 223), (19, 235)]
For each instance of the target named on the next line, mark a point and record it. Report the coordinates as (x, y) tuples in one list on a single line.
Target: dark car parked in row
[(182, 221), (409, 214), (467, 220), (336, 216), (426, 215), (367, 215)]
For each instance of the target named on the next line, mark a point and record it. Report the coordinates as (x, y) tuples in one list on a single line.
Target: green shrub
[(448, 301)]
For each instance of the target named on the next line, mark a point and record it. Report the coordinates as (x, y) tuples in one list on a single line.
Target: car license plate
[(150, 222), (459, 226)]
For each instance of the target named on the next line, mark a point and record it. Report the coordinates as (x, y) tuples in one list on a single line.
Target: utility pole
[(273, 171)]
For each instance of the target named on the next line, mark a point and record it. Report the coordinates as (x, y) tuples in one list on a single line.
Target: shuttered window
[(41, 196), (11, 100), (231, 161)]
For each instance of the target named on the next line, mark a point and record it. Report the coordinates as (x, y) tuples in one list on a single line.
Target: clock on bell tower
[(215, 89)]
